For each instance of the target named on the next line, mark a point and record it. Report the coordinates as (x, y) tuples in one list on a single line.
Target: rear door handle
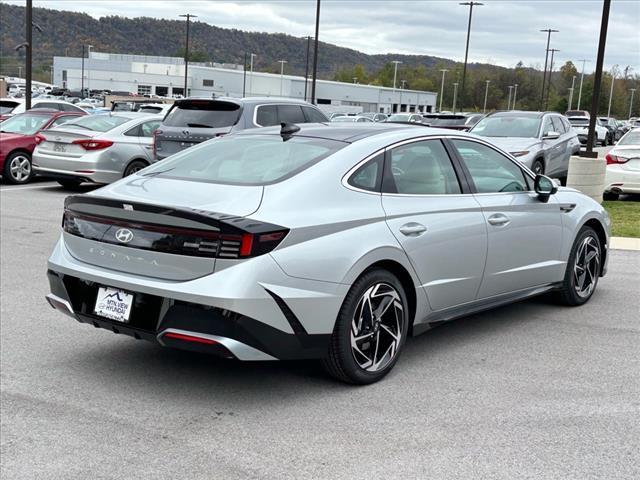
[(412, 229), (498, 219)]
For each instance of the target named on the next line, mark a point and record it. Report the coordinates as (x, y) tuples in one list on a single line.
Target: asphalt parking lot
[(531, 390)]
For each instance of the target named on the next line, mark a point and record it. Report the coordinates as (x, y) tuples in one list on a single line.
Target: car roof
[(349, 132), (248, 100), (519, 113)]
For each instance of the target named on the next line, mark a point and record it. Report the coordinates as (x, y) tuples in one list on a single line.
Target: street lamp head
[(550, 30), (188, 16), (475, 4)]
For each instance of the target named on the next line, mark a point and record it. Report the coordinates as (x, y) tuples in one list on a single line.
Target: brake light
[(615, 159), (93, 144), (156, 132), (40, 138)]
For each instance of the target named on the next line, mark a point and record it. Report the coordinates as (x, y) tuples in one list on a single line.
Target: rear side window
[(420, 168), (246, 159), (203, 114), (368, 176), (314, 116), (267, 115), (291, 114)]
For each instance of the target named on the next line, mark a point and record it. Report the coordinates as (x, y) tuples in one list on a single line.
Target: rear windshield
[(508, 126), (203, 114), (245, 159), (26, 124), (446, 120), (7, 107), (97, 123), (631, 138)]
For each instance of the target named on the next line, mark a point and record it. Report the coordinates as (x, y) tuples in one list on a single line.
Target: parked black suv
[(194, 120)]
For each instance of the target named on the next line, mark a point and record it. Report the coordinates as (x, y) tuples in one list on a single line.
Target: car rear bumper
[(279, 317), (91, 168), (619, 180)]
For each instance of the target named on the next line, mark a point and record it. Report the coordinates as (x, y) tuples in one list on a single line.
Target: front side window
[(490, 171), (547, 126), (246, 159), (420, 168), (558, 126)]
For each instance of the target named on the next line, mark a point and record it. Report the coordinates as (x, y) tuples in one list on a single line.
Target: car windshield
[(508, 126), (579, 122), (343, 119), (399, 117), (631, 138), (245, 159), (97, 123), (25, 124), (203, 114)]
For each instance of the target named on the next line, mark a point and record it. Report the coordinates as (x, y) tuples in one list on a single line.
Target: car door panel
[(442, 230), (524, 234)]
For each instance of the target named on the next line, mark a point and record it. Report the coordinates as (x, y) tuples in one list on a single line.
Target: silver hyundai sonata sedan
[(334, 242)]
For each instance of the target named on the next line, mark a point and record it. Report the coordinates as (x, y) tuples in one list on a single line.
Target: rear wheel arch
[(132, 161)]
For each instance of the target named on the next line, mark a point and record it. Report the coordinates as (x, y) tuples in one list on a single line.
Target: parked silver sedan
[(98, 148), (543, 141), (332, 241)]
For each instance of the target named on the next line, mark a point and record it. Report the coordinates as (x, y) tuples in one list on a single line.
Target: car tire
[(69, 184), (537, 167), (360, 335), (610, 196), (583, 268), (17, 168), (134, 167)]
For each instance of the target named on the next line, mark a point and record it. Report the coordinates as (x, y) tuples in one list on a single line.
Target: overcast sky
[(503, 31)]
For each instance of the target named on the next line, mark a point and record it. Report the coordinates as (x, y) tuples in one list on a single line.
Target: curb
[(624, 243)]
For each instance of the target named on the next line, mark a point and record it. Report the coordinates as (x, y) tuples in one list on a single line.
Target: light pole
[(455, 96), (466, 51), (632, 90), (515, 93), (486, 94), (281, 62), (546, 59), (355, 80), (581, 80), (553, 51), (611, 94), (315, 54), (573, 85), (306, 69), (395, 72), (253, 55), (188, 16), (89, 47), (509, 100), (444, 70)]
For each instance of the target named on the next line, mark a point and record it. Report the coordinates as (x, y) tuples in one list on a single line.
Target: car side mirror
[(551, 136), (544, 187)]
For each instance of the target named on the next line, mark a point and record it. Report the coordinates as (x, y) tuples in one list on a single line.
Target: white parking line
[(32, 187)]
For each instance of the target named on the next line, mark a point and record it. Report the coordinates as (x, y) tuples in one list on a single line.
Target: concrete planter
[(587, 175)]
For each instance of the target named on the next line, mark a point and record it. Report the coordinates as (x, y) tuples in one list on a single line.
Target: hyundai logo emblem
[(185, 133), (124, 235)]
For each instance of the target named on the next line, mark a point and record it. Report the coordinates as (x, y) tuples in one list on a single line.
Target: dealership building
[(164, 76)]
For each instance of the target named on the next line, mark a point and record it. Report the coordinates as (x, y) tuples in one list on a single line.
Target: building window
[(324, 101), (162, 91), (207, 82), (144, 89)]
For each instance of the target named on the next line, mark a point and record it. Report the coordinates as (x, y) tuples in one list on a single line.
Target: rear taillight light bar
[(93, 144), (615, 159), (224, 242)]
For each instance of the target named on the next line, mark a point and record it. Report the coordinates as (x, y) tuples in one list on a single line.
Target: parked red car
[(18, 139)]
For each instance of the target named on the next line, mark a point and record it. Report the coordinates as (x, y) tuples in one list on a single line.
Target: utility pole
[(553, 51), (281, 62), (455, 96), (82, 73), (89, 47), (466, 51), (632, 90), (509, 100), (188, 16), (486, 94), (29, 45), (515, 93), (546, 59), (244, 76), (444, 70), (315, 54), (611, 94), (597, 81), (581, 80), (573, 84), (251, 76), (306, 69)]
